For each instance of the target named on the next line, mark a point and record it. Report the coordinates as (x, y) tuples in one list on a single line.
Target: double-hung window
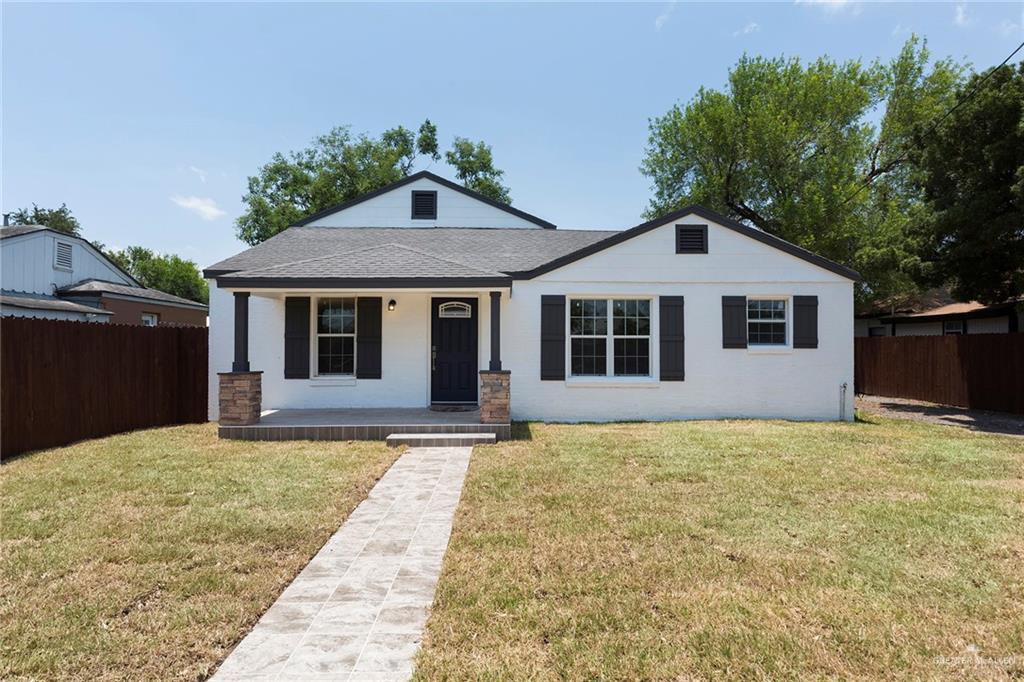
[(766, 321), (610, 337), (335, 336)]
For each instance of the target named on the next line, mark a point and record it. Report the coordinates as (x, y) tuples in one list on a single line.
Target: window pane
[(632, 357), (588, 317), (766, 333), (335, 355), (589, 357), (631, 318), (336, 316)]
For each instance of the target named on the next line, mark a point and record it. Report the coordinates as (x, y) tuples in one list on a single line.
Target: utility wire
[(937, 123)]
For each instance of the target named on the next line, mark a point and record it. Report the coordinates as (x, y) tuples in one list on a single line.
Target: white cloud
[(200, 172), (204, 207), (833, 6), (751, 27), (662, 18), (960, 15), (1009, 28)]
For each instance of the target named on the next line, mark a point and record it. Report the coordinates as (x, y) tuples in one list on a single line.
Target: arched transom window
[(454, 309)]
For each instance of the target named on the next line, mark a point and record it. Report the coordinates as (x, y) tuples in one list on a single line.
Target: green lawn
[(740, 549), (149, 555)]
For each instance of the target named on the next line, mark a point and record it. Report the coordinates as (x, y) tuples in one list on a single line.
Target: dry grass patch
[(734, 549), (149, 555)]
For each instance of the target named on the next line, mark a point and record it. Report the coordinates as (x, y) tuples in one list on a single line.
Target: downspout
[(842, 402)]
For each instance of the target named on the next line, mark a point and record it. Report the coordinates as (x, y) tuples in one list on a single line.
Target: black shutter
[(670, 332), (296, 337), (552, 338), (734, 322), (368, 320), (805, 322)]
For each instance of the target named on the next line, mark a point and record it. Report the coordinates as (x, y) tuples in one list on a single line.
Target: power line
[(937, 123)]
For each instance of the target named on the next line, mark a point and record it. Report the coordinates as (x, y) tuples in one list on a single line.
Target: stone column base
[(241, 398), (494, 396)]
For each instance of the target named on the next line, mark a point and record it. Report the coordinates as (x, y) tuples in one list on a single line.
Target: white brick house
[(411, 296)]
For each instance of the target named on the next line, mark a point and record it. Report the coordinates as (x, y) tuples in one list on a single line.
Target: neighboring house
[(950, 318), (424, 292), (53, 275)]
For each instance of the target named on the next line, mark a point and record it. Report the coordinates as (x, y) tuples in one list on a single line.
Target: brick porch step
[(439, 440)]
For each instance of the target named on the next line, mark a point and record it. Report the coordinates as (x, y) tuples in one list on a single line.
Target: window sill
[(769, 350), (612, 382), (333, 381)]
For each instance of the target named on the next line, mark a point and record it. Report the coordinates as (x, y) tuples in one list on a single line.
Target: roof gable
[(15, 235), (390, 206), (681, 214)]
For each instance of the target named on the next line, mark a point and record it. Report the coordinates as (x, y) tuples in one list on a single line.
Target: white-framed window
[(953, 327), (766, 322), (62, 255), (335, 334), (150, 319), (610, 337)]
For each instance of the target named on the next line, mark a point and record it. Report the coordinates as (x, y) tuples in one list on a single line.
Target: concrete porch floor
[(360, 424)]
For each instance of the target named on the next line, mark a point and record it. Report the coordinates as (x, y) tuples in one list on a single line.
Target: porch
[(361, 424)]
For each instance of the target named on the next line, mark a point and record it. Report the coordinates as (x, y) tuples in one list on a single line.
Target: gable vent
[(424, 205), (691, 238), (62, 257)]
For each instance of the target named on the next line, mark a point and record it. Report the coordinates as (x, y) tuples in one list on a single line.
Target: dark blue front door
[(453, 350)]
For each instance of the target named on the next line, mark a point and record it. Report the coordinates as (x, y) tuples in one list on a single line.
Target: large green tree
[(813, 153), (59, 219), (340, 166), (971, 236), (168, 273)]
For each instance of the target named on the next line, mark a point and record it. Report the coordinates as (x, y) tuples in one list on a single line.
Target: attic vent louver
[(62, 257), (424, 205), (691, 238)]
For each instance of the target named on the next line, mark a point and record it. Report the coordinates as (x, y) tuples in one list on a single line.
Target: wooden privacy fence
[(983, 371), (64, 381)]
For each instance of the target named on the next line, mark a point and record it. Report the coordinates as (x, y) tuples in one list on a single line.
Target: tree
[(168, 273), (972, 174), (474, 166), (338, 167), (791, 149), (59, 219)]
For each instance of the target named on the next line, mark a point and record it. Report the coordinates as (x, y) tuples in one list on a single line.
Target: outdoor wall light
[(391, 304)]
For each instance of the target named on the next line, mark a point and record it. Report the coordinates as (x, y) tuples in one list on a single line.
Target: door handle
[(433, 358)]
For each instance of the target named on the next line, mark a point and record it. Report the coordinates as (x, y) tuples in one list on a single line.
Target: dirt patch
[(933, 413)]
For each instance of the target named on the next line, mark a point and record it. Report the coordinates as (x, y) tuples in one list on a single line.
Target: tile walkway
[(357, 611)]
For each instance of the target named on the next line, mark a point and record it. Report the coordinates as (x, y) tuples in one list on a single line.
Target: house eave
[(226, 282)]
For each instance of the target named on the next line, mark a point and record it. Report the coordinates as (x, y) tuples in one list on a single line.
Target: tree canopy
[(971, 235), (815, 154), (474, 166), (59, 219), (168, 273), (340, 166)]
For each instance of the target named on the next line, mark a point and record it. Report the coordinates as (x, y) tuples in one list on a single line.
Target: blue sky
[(147, 119)]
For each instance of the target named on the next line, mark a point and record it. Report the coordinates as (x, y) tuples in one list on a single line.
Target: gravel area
[(933, 413)]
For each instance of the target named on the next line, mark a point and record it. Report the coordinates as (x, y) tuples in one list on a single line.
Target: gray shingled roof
[(15, 230), (385, 252), (19, 299), (91, 287)]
